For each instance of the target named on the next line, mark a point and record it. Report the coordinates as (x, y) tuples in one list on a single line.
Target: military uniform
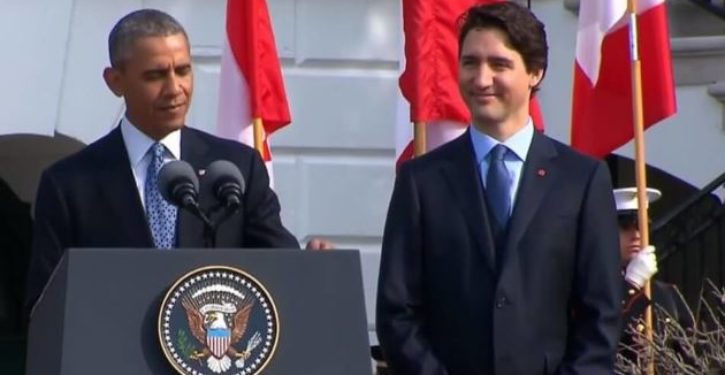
[(634, 303)]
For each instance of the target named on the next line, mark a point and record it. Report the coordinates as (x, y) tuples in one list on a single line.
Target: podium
[(100, 310)]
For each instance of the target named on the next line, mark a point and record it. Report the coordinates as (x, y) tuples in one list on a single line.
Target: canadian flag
[(429, 82), (602, 111), (250, 81)]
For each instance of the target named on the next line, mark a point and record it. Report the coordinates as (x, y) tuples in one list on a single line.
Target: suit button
[(501, 302)]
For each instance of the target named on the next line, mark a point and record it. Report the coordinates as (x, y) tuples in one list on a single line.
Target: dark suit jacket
[(90, 199), (443, 307), (15, 237)]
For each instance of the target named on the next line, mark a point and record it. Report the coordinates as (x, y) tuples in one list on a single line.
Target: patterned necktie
[(498, 186), (160, 213)]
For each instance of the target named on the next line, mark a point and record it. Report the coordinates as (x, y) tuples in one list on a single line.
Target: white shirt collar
[(137, 143), (519, 143)]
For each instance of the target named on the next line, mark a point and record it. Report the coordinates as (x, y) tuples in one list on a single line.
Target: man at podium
[(107, 195)]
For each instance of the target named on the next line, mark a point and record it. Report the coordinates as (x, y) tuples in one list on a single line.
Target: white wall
[(33, 36)]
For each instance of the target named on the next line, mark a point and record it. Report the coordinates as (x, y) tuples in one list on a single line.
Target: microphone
[(179, 185), (225, 183)]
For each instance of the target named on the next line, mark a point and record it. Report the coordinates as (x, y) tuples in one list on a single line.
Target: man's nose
[(483, 76), (173, 84)]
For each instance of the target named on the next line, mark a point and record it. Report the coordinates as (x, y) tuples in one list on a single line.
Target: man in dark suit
[(506, 263), (103, 195)]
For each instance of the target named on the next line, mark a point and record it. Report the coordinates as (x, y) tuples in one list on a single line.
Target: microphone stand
[(209, 235), (189, 202), (182, 190), (210, 226)]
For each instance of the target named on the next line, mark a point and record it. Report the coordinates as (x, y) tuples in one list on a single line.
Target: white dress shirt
[(137, 146)]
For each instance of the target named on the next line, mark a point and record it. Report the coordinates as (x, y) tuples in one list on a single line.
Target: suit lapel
[(119, 188), (537, 178), (463, 178), (195, 152)]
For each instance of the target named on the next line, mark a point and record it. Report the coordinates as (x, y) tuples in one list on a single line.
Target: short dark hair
[(136, 25), (627, 219), (525, 32)]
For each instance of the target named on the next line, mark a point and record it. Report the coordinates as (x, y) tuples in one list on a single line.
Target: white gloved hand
[(642, 267)]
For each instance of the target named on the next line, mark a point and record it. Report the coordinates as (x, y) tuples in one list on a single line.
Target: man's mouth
[(172, 107), (483, 97)]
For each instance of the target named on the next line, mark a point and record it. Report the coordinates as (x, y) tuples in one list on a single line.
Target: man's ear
[(535, 78), (113, 80)]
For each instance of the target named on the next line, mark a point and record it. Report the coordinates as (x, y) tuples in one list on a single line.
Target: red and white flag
[(429, 82), (250, 82), (602, 113)]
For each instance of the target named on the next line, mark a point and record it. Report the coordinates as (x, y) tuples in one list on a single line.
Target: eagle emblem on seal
[(218, 320)]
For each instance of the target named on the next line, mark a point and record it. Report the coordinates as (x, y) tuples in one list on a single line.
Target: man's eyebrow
[(155, 70), (501, 59)]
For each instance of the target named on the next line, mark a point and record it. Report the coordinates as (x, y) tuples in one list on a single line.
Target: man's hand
[(319, 244), (642, 267)]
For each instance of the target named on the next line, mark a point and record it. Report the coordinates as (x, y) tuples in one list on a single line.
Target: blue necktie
[(498, 186), (160, 213)]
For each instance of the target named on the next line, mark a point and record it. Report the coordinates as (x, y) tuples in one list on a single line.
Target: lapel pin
[(541, 172), (202, 172)]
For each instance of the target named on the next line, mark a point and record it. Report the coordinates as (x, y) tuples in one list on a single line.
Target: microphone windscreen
[(173, 173), (219, 172)]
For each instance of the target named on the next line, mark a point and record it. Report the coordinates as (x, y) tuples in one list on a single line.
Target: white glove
[(642, 267)]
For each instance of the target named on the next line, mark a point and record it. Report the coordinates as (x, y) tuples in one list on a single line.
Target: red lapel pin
[(541, 172)]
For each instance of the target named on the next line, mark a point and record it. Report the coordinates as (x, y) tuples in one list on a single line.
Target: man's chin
[(487, 121), (171, 126), (165, 129)]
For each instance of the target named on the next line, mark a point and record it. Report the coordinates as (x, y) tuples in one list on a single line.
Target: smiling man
[(106, 195), (500, 248)]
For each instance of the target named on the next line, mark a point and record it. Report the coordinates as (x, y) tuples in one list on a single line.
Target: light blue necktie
[(498, 186), (160, 213)]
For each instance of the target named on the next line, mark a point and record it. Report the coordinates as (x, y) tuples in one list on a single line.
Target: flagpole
[(258, 128), (640, 165), (419, 138)]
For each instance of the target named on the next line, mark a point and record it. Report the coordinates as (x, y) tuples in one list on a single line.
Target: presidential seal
[(218, 320)]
